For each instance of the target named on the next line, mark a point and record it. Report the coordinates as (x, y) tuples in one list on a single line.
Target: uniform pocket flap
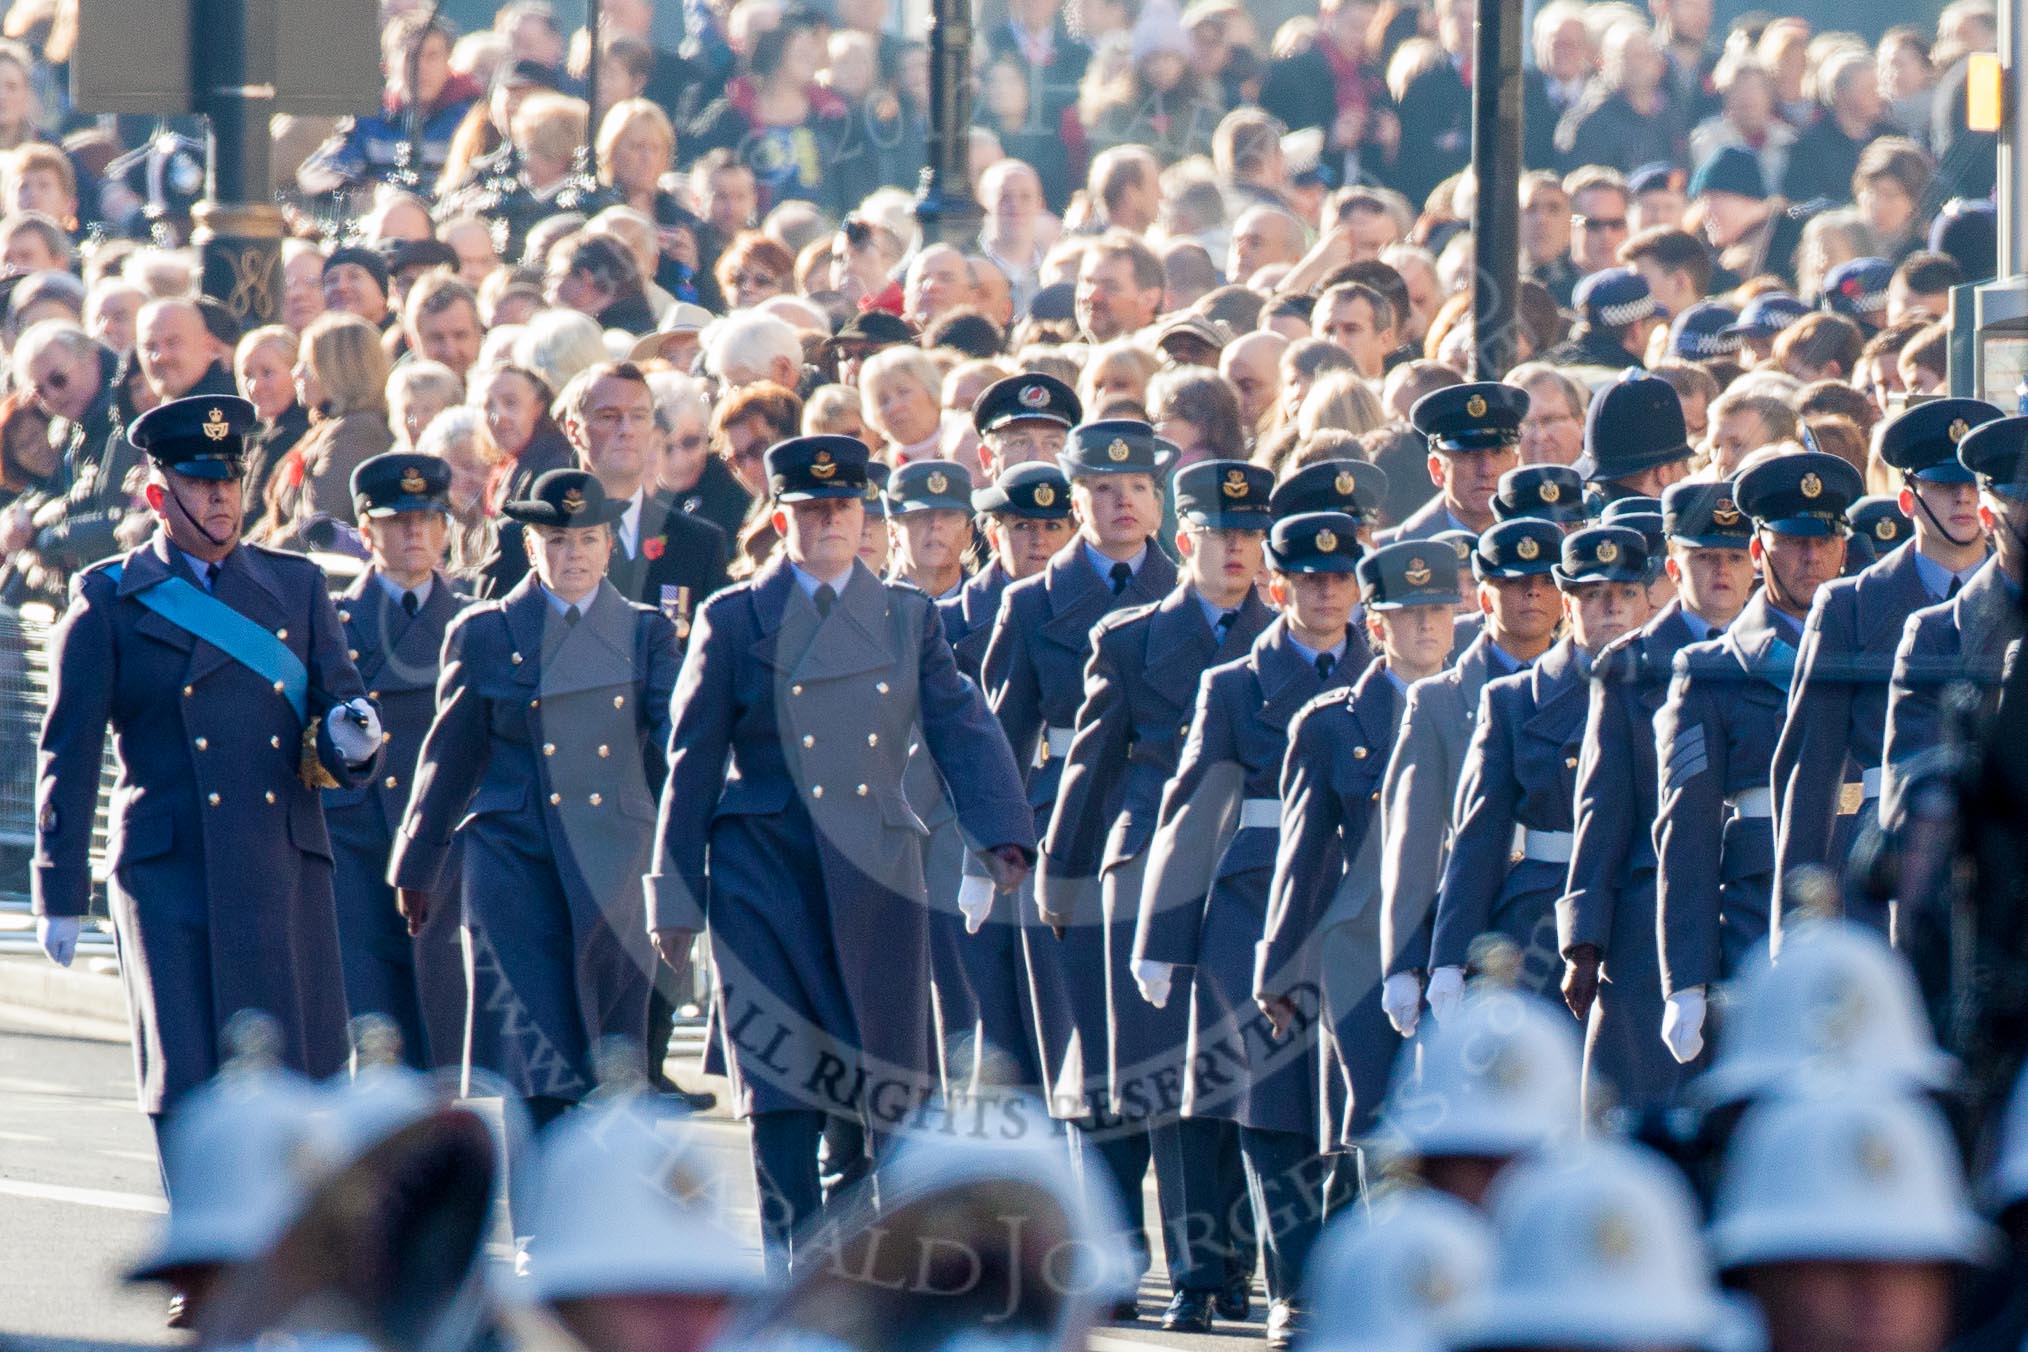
[(141, 836)]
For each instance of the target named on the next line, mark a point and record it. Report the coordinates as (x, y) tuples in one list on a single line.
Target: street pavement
[(80, 1198)]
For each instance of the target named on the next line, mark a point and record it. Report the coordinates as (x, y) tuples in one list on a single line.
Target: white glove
[(1154, 978), (1401, 997), (1683, 1024), (58, 936), (1446, 992), (354, 742), (975, 900)]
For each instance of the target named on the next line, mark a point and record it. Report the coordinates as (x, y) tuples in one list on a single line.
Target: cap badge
[(1327, 541), (1613, 1238), (1235, 485), (412, 481), (1118, 451), (1527, 548), (1811, 486), (1417, 574), (216, 428), (1344, 483), (1044, 495), (937, 482), (1607, 551), (1886, 528), (1476, 406), (1462, 548), (823, 457), (823, 469), (1032, 396), (1549, 491), (1723, 513), (1958, 429), (573, 501)]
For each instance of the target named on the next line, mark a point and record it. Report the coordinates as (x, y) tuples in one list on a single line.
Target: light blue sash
[(198, 612)]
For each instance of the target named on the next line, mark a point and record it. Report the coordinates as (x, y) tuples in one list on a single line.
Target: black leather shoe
[(1235, 1302), (696, 1100), (1126, 1311), (1188, 1312)]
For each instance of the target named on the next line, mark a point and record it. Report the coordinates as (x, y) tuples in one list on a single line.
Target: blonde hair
[(910, 362), (1340, 401), (343, 351), (550, 125), (626, 116), (279, 335)]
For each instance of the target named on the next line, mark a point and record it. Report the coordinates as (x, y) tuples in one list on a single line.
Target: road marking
[(1111, 1342), (26, 1136), (100, 1197)]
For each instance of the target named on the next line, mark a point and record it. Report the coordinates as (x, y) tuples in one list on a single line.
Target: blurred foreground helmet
[(1498, 1079), (1392, 1277)]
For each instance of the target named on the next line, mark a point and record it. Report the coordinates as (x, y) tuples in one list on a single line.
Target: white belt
[(1055, 745), (1753, 803), (1261, 812), (1547, 847)]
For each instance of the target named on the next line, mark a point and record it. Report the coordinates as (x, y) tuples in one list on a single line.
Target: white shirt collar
[(395, 591)]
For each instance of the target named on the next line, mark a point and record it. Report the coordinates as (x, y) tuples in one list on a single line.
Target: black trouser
[(1293, 1188), (787, 1178), (1211, 1235)]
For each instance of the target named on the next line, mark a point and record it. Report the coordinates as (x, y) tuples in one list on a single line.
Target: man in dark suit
[(1436, 109)]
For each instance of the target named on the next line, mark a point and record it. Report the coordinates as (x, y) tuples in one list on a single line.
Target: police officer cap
[(1115, 446), (875, 492), (1857, 289), (1705, 516), (1031, 396), (1033, 489), (1644, 517), (1409, 573), (1998, 453), (1768, 314), (1225, 495), (1634, 424), (1614, 298), (200, 437), (1315, 542), (929, 486), (1602, 554), (1923, 440), (1879, 520), (1545, 492), (1462, 542), (566, 497), (401, 481), (1354, 487), (1523, 548), (803, 468), (1804, 493), (1704, 330), (1483, 416)]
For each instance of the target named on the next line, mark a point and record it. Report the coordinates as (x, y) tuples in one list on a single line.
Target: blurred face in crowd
[(1117, 512), (265, 379), (419, 408), (1712, 583), (351, 288), (1470, 478), (1729, 216), (1886, 207), (1222, 565), (1736, 434), (1599, 225), (1025, 544), (746, 441), (1650, 482), (858, 268), (907, 413), (821, 535), (683, 450), (1829, 1306), (113, 316), (1019, 442), (1349, 324), (42, 190), (1013, 198), (15, 96), (302, 289), (1262, 236), (174, 346), (1371, 231), (1110, 302), (1415, 640), (640, 156), (1424, 298), (27, 250), (753, 283), (938, 281), (1673, 290), (64, 385), (1249, 365), (570, 560), (874, 544), (407, 545), (451, 335), (618, 433), (472, 242), (512, 408), (1569, 51), (730, 199), (928, 547), (469, 473), (1797, 565), (432, 65), (1658, 206), (1600, 612), (1552, 433)]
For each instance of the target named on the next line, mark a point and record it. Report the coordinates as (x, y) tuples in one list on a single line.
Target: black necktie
[(410, 604), (826, 597), (572, 615), (1324, 664), (210, 577), (1957, 585), (1121, 575), (1225, 623)]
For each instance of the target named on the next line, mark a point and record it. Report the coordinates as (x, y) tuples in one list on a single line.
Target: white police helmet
[(1599, 1249), (1498, 1078), (2007, 1183), (1838, 1003), (1391, 1278), (239, 1159), (627, 1203), (1844, 1175)]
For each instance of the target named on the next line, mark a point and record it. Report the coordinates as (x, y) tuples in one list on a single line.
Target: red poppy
[(651, 549)]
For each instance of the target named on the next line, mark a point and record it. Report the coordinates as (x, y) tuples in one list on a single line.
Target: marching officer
[(1879, 526), (1025, 516), (1837, 711), (929, 526), (1139, 688), (1965, 639), (1474, 434), (1544, 492), (1520, 773), (544, 756), (1715, 739), (1606, 919), (801, 694), (1357, 488), (394, 616), (1645, 515), (220, 669), (1024, 419), (1512, 562), (1206, 894), (875, 545), (1323, 918), (1034, 680)]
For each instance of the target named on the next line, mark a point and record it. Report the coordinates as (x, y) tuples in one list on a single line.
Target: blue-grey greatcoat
[(544, 758), (1323, 922), (1714, 741), (1609, 897), (218, 857), (419, 982), (1033, 674), (968, 616), (1963, 639), (1416, 799), (1236, 1068), (1837, 712), (1520, 771), (1139, 688), (786, 833)]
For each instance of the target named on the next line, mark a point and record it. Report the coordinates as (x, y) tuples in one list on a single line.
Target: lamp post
[(944, 209)]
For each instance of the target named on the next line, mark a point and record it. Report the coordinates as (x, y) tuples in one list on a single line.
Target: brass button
[(275, 742), (873, 739), (817, 792), (1570, 762), (808, 741), (596, 800), (203, 744), (605, 752), (862, 790), (386, 737), (187, 691), (269, 795), (515, 658), (391, 782), (535, 704), (1376, 795), (795, 690), (555, 799), (352, 654), (345, 616), (278, 687), (211, 799), (1358, 753), (549, 748), (282, 634), (619, 701), (373, 694), (881, 686)]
